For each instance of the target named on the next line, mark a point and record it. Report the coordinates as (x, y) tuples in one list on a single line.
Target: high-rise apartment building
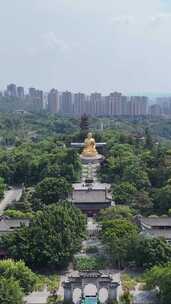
[(155, 110), (11, 90), (36, 98), (20, 92), (124, 103), (66, 103), (106, 106), (95, 106), (39, 95), (53, 101), (137, 106), (165, 104), (79, 104), (32, 92), (115, 104)]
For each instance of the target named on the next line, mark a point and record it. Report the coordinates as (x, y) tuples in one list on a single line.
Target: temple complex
[(89, 194)]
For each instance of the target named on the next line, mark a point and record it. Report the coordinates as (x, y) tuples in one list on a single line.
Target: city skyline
[(151, 95), (87, 46), (94, 104)]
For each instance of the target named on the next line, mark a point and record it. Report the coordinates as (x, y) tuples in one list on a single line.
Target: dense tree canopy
[(54, 235), (116, 212), (19, 272), (139, 171), (124, 243), (124, 192), (162, 199), (30, 163), (160, 276), (50, 190), (148, 252), (118, 235)]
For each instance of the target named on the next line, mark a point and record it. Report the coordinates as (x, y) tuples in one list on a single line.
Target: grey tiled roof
[(8, 225), (94, 186), (165, 233), (158, 221)]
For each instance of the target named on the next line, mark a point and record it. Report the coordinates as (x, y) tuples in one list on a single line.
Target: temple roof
[(94, 186), (156, 221), (9, 225)]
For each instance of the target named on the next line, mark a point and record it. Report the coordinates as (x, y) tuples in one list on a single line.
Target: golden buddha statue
[(89, 146)]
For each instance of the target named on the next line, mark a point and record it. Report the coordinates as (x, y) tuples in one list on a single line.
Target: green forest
[(35, 153)]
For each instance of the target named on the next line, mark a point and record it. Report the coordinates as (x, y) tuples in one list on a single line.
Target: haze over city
[(86, 45)]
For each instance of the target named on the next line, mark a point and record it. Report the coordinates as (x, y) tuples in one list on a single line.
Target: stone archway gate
[(95, 278)]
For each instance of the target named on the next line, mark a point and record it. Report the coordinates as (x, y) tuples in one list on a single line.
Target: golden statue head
[(89, 135)]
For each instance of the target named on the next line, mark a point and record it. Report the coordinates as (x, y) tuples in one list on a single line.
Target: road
[(11, 195)]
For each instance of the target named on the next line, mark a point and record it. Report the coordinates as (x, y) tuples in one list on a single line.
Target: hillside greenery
[(35, 152)]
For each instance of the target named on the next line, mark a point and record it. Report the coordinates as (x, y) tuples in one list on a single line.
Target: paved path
[(39, 297), (143, 296), (10, 196), (89, 171)]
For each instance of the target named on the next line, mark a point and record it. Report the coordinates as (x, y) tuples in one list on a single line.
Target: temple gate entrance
[(99, 280)]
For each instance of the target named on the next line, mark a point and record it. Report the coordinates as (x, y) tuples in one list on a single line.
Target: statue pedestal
[(92, 160)]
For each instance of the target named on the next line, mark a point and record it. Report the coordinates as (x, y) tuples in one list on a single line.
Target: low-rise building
[(156, 227), (91, 197), (8, 225)]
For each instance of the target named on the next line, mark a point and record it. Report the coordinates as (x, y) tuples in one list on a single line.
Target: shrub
[(90, 263)]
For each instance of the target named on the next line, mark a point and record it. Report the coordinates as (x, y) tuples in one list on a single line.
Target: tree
[(118, 235), (2, 188), (17, 214), (116, 212), (137, 176), (148, 252), (124, 193), (31, 162), (19, 272), (51, 190), (126, 298), (54, 235), (142, 202), (121, 156), (148, 139), (162, 199), (121, 227), (160, 276), (10, 291)]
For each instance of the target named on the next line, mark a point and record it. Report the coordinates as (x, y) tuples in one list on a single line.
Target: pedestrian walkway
[(10, 196), (143, 296), (89, 172), (39, 297)]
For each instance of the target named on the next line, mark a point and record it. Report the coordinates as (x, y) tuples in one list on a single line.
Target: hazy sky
[(86, 45)]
